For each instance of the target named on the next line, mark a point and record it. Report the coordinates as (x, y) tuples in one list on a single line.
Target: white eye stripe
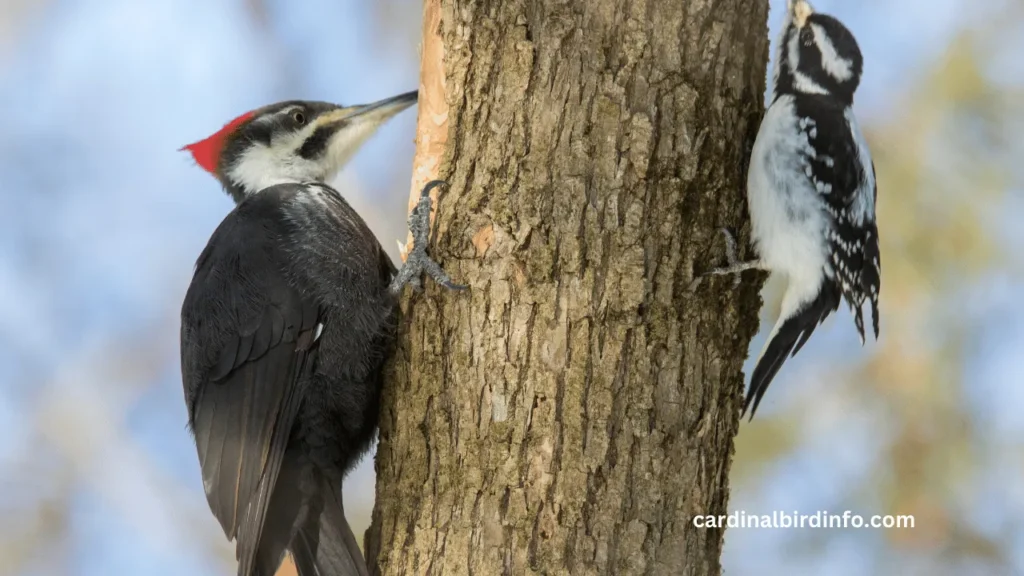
[(279, 115), (839, 68), (794, 51)]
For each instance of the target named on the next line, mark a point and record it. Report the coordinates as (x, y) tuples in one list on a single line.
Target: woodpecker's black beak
[(366, 117), (385, 108)]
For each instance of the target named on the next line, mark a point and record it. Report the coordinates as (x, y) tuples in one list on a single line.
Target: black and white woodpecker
[(811, 190), (290, 316)]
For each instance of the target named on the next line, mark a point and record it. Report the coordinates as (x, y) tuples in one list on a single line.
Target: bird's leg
[(734, 265), (417, 262)]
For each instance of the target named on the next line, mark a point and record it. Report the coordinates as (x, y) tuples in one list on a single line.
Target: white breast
[(786, 211)]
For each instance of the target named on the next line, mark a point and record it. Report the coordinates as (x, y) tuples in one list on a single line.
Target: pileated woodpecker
[(290, 316)]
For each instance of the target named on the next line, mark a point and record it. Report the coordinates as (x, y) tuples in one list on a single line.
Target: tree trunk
[(574, 410)]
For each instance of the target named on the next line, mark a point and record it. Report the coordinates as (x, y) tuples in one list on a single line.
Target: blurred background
[(101, 220)]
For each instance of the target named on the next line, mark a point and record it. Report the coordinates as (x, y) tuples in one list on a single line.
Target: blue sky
[(102, 219)]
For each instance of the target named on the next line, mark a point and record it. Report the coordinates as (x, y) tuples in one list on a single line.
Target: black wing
[(247, 343), (844, 174)]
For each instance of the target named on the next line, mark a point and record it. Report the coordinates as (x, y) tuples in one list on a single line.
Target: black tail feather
[(282, 514), (324, 544), (306, 518), (871, 276), (789, 337), (874, 314)]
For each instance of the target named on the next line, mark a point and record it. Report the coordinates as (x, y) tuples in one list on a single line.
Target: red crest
[(207, 152)]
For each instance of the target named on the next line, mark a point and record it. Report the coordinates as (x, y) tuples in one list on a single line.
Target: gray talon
[(730, 254), (418, 262), (734, 265)]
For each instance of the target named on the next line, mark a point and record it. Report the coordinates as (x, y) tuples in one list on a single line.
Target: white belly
[(786, 212)]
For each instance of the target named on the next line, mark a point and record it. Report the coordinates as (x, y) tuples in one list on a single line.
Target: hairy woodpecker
[(811, 190), (290, 316)]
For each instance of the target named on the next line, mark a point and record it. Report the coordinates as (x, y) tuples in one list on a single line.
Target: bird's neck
[(801, 84), (239, 191)]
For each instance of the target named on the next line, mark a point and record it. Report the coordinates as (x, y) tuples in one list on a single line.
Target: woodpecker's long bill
[(811, 189), (286, 326)]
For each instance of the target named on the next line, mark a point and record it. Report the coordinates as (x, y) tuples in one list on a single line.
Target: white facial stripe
[(261, 166), (839, 68), (793, 46), (344, 144), (803, 83), (276, 116)]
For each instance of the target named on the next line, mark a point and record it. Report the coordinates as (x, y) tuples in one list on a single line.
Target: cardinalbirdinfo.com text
[(820, 519)]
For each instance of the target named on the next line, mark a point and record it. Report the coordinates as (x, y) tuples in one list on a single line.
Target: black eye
[(807, 37), (299, 117)]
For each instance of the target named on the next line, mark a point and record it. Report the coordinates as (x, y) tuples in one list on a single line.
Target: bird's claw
[(730, 256), (730, 246), (734, 266), (418, 262)]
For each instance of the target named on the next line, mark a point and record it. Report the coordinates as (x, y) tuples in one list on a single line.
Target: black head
[(817, 54)]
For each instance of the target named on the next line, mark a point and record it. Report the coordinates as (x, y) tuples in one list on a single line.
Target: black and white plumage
[(290, 316), (811, 189)]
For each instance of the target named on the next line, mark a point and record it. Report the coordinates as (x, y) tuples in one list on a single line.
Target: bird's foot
[(734, 265), (418, 262)]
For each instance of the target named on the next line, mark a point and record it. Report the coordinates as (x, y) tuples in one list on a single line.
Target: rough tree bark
[(576, 408)]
